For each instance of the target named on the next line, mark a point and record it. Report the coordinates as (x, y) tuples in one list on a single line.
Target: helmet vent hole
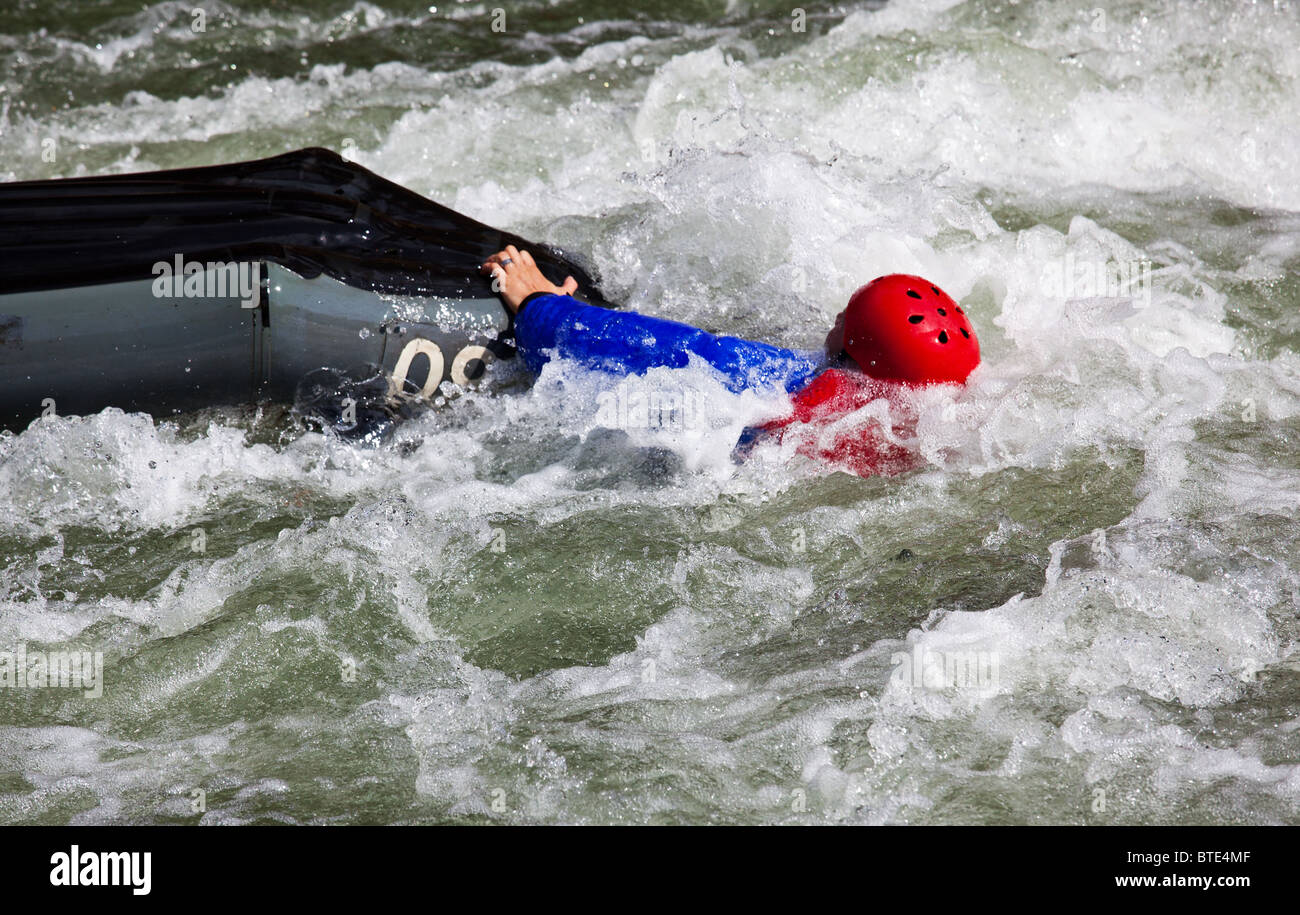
[(916, 319), (913, 293), (942, 312), (943, 336), (959, 311), (935, 290), (965, 333)]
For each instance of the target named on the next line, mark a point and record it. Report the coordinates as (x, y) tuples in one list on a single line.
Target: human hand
[(515, 277)]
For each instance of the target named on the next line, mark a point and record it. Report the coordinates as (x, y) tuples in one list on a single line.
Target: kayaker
[(897, 331)]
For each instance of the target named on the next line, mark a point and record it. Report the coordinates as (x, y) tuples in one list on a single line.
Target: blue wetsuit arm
[(628, 343)]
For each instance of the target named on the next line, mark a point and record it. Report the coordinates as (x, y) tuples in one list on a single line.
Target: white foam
[(750, 190)]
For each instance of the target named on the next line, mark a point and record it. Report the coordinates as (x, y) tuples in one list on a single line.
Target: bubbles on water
[(1087, 584)]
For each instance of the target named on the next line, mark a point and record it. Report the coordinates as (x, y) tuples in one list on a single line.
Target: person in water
[(897, 331)]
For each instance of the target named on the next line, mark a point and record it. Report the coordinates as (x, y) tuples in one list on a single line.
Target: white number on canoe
[(460, 366), (409, 352)]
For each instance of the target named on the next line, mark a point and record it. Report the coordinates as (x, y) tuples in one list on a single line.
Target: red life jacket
[(898, 327), (860, 445)]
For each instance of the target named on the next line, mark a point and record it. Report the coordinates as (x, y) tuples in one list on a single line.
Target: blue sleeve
[(628, 343)]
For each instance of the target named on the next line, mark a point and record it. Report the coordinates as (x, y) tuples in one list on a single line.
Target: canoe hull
[(78, 350), (169, 291)]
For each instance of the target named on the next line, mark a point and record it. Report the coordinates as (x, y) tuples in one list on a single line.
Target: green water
[(511, 615)]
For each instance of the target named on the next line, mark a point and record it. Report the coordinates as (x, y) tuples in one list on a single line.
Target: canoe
[(170, 291)]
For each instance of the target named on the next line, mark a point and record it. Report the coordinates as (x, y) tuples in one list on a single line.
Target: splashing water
[(538, 605)]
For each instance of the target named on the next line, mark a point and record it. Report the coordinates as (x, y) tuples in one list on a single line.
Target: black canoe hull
[(350, 270), (78, 350)]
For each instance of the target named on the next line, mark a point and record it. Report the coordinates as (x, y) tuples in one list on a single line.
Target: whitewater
[(534, 604)]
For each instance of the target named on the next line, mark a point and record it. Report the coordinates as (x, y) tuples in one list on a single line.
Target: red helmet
[(904, 328)]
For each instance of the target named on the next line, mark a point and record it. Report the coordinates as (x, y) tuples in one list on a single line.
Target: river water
[(1081, 608)]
